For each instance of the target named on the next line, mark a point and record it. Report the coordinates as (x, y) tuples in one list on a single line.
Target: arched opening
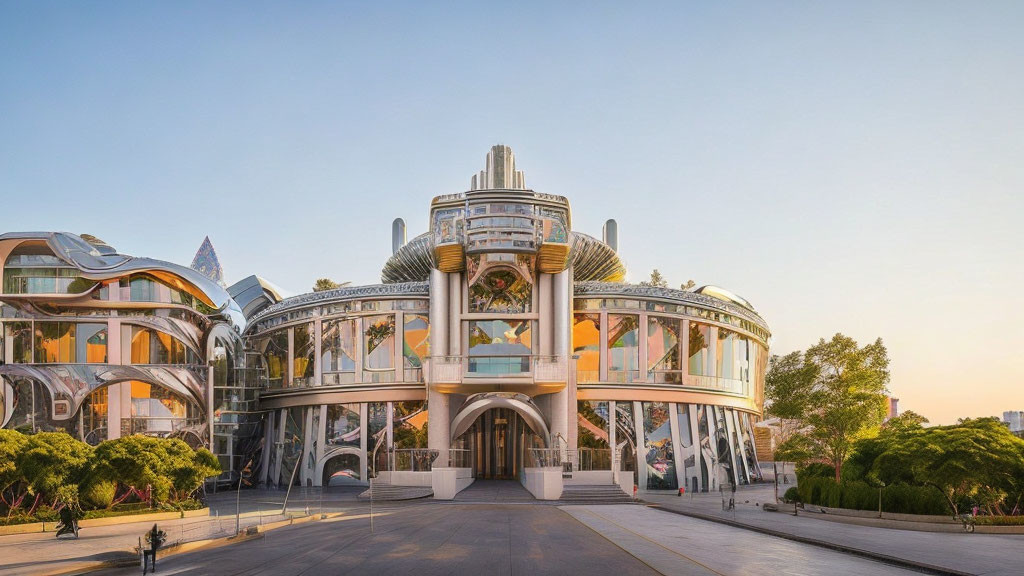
[(341, 468), (498, 430)]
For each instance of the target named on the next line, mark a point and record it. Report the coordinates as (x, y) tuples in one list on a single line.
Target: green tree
[(50, 460), (135, 461), (976, 461), (835, 392), (656, 279), (12, 443), (323, 284)]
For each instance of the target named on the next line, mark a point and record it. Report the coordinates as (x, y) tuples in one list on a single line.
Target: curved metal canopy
[(477, 404)]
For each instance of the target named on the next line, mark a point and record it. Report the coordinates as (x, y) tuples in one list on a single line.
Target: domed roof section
[(591, 260)]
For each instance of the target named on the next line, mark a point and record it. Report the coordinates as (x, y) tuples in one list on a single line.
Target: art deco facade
[(500, 342)]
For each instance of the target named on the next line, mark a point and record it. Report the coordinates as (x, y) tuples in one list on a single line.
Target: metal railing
[(590, 459), (546, 457), (412, 459), (460, 458)]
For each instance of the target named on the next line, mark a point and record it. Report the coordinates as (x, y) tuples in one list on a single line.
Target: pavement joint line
[(883, 558), (656, 543)]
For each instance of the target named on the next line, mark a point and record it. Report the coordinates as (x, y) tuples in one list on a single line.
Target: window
[(700, 342), (416, 340), (586, 343), (501, 290), (592, 427), (91, 343), (379, 342), (663, 365), (32, 268), (304, 344), (19, 334), (500, 346), (94, 417), (338, 351), (661, 468), (276, 356), (55, 342), (157, 411), (623, 347), (149, 346), (343, 425)]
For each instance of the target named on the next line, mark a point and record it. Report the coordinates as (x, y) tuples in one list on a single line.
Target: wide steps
[(594, 494), (392, 492)]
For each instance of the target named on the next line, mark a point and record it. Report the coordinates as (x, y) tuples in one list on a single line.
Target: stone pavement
[(41, 553), (677, 545), (422, 539), (981, 554)]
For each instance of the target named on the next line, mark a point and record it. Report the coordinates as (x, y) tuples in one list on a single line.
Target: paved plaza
[(494, 527)]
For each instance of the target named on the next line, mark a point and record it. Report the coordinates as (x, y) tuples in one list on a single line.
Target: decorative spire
[(500, 173), (206, 262)]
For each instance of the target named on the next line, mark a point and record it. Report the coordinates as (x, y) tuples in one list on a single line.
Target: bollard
[(635, 488), (681, 492)]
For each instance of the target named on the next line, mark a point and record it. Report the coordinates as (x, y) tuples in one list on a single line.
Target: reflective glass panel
[(343, 427), (410, 422), (501, 290), (661, 468), (700, 345), (305, 351), (500, 346), (19, 334), (592, 421), (342, 470), (625, 437), (663, 365), (91, 343), (338, 349), (586, 343), (379, 343), (416, 340), (623, 347), (276, 356)]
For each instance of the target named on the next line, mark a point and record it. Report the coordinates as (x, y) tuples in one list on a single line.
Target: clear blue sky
[(854, 168)]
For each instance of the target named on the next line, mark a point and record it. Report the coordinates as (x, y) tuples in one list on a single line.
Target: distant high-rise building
[(1014, 419), (892, 409), (207, 264)]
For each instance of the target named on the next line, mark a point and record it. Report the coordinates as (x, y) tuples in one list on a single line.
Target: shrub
[(901, 498), (792, 495), (815, 470), (98, 494), (999, 520)]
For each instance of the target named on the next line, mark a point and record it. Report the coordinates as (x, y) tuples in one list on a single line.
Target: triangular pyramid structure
[(207, 264)]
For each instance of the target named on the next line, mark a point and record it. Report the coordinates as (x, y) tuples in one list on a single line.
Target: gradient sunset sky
[(851, 168)]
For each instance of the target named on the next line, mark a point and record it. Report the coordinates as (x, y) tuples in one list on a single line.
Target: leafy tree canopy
[(836, 391)]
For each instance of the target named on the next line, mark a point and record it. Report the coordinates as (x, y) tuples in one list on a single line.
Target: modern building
[(501, 343), (1014, 419)]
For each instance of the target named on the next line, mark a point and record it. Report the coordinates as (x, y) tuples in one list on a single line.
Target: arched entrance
[(499, 429)]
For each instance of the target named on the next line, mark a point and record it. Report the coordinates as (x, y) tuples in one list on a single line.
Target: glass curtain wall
[(593, 441), (156, 411), (500, 346), (303, 364), (659, 456), (623, 347), (663, 363), (700, 347), (276, 356), (625, 437), (586, 343), (415, 344), (338, 351), (379, 348)]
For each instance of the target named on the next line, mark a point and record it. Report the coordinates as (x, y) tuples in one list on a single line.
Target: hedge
[(897, 499)]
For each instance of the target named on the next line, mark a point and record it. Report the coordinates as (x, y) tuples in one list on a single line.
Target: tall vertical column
[(114, 356), (560, 327), (438, 425), (454, 314)]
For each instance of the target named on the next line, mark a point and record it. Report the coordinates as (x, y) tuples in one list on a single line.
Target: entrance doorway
[(499, 440)]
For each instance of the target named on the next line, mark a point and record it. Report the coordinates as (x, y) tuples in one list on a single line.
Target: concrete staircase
[(594, 494), (391, 492)]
